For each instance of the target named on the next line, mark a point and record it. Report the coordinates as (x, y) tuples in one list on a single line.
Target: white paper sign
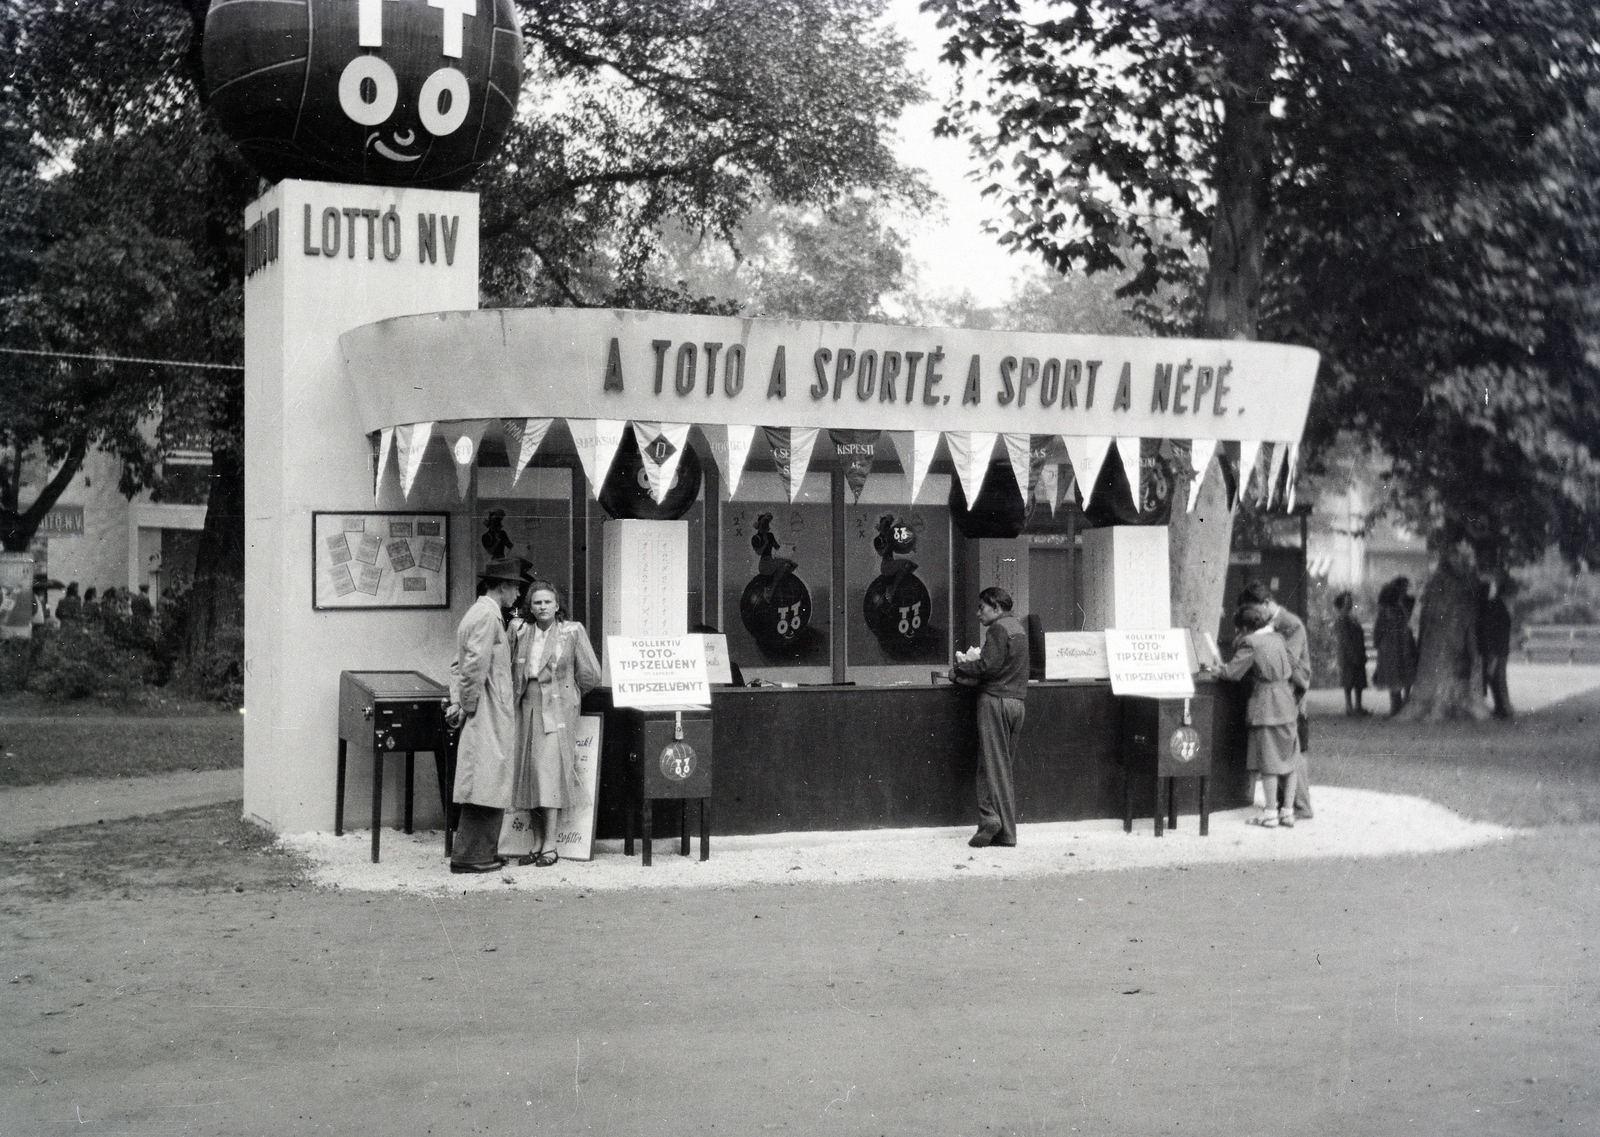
[(658, 672), (1153, 663), (519, 828), (716, 646), (575, 824), (1075, 655)]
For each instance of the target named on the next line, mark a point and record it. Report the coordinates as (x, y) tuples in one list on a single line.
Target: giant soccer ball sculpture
[(376, 92)]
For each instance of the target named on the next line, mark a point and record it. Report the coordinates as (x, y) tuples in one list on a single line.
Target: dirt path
[(30, 810), (1455, 993)]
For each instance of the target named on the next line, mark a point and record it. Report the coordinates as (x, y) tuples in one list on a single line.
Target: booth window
[(897, 581), (777, 579), (532, 520)]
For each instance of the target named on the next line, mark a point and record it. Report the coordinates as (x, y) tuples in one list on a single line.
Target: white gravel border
[(1349, 823)]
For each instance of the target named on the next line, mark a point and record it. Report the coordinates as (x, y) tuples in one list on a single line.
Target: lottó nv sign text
[(355, 231)]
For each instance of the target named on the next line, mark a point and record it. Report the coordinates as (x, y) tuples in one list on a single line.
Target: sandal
[(1286, 819), (1265, 820), (546, 858)]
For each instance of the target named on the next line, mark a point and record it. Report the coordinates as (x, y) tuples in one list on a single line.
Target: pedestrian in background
[(1397, 646), (1494, 641), (1352, 654)]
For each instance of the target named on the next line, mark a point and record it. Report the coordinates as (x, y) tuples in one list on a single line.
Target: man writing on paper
[(1000, 672), (483, 706)]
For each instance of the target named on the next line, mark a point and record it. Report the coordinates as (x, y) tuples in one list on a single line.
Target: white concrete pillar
[(339, 256), (1126, 574), (646, 579)]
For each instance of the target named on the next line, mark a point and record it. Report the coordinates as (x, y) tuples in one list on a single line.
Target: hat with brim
[(507, 571)]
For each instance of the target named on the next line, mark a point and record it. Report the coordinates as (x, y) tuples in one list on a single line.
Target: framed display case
[(380, 560)]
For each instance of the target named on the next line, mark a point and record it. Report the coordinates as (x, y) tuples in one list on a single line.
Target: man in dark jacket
[(1000, 672)]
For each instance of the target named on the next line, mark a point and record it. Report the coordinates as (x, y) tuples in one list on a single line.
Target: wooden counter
[(835, 758)]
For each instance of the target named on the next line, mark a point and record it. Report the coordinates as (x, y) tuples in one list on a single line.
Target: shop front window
[(531, 520), (897, 581), (777, 588)]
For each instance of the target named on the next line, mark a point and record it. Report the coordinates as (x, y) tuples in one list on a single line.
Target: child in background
[(1352, 654), (1271, 712)]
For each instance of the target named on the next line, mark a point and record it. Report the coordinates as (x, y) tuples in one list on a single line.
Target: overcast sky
[(953, 251)]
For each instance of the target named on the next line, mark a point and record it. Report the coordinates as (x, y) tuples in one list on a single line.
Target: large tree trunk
[(1232, 304), (218, 597), (1449, 669)]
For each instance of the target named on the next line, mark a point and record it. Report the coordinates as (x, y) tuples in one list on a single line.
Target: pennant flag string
[(1200, 452), (1087, 456), (970, 451), (410, 442), (1248, 453)]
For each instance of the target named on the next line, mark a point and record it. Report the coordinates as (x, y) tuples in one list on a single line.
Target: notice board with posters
[(380, 560)]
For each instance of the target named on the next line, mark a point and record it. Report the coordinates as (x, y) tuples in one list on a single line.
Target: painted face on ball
[(387, 92), (404, 123)]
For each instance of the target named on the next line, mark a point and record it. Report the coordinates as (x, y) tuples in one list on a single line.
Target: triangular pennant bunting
[(915, 449), (524, 436), (1128, 453), (970, 451), (1294, 460), (791, 452), (597, 440), (461, 438), (385, 446), (730, 445), (855, 449), (661, 449), (410, 441), (1248, 453), (1280, 451), (1087, 455), (1019, 449), (1047, 486), (1200, 452), (1045, 450)]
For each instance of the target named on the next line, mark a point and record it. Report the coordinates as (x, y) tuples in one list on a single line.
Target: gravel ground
[(1349, 823)]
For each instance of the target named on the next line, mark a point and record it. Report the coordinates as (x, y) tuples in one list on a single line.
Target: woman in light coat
[(554, 666)]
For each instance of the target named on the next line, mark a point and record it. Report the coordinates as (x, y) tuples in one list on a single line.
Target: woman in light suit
[(553, 667)]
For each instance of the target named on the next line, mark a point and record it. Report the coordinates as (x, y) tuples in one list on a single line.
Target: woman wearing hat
[(483, 706)]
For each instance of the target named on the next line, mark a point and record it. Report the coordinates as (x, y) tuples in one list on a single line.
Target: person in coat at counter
[(483, 706), (554, 667), (1293, 631), (1000, 672), (1271, 711)]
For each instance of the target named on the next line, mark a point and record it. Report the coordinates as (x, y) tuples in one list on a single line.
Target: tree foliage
[(637, 113), (124, 202), (1407, 185)]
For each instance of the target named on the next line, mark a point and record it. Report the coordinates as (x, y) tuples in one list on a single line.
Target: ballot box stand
[(669, 758), (390, 712), (1164, 740)]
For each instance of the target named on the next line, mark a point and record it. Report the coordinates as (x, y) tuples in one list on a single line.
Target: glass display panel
[(777, 568), (897, 579), (533, 520)]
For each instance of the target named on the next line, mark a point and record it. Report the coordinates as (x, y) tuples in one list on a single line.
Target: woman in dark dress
[(1397, 647)]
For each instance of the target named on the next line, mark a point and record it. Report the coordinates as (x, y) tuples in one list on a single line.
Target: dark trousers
[(1494, 683), (477, 840), (999, 726)]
